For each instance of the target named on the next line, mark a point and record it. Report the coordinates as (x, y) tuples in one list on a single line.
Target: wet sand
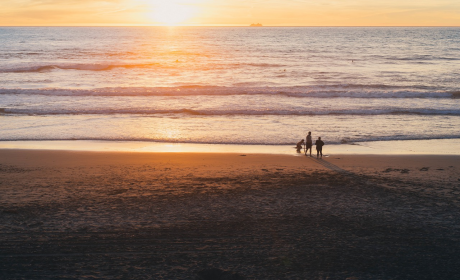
[(112, 215)]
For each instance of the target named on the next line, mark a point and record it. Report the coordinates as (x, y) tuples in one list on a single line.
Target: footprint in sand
[(404, 171)]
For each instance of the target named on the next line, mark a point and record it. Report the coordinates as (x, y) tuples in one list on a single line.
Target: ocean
[(229, 85)]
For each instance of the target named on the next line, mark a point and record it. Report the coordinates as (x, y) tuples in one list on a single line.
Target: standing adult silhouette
[(319, 147), (309, 143)]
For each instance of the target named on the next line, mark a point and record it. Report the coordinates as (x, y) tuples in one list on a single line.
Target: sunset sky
[(230, 12)]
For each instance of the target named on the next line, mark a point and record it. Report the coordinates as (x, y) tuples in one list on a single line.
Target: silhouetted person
[(319, 147), (299, 145), (309, 143)]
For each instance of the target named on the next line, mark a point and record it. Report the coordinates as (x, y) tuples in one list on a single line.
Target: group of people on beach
[(308, 145)]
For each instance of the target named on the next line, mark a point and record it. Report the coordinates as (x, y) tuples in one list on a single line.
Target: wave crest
[(211, 112), (83, 67), (334, 91)]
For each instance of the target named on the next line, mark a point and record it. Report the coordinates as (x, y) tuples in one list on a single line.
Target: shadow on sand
[(331, 166)]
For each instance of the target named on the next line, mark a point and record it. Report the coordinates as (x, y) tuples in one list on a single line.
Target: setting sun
[(171, 12)]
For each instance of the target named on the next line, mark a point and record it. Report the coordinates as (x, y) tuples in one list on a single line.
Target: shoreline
[(398, 147)]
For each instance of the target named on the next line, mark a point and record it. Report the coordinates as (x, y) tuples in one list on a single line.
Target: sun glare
[(170, 12)]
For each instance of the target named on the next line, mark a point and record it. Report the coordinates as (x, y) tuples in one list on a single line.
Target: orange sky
[(230, 12)]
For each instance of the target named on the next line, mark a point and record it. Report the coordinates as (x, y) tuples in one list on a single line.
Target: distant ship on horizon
[(256, 25)]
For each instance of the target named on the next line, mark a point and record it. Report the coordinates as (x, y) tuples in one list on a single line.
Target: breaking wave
[(43, 68), (235, 112), (330, 91), (355, 140), (83, 67)]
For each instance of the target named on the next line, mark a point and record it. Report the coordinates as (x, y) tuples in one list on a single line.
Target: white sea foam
[(334, 141), (255, 112), (41, 68), (337, 91)]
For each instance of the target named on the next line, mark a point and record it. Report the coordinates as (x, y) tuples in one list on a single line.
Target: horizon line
[(135, 25)]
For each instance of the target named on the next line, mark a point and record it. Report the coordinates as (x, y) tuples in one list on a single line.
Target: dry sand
[(90, 215)]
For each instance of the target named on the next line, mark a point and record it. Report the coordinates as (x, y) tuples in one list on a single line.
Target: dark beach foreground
[(112, 215)]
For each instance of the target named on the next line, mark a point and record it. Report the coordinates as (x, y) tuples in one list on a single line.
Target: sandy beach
[(120, 215)]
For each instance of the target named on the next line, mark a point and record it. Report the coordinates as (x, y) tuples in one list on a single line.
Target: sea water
[(229, 85)]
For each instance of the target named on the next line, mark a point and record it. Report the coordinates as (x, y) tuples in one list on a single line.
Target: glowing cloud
[(231, 12)]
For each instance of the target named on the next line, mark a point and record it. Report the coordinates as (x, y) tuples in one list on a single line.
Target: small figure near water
[(309, 143), (319, 147), (299, 145)]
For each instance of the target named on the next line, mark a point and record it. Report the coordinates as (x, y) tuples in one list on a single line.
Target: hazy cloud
[(235, 12)]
